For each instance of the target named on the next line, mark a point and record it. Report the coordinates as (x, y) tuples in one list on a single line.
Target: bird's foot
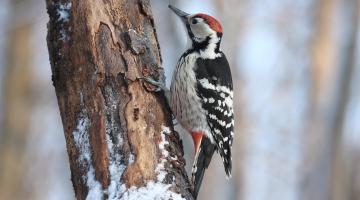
[(160, 85)]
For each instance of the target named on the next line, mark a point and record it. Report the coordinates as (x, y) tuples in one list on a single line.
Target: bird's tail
[(202, 160)]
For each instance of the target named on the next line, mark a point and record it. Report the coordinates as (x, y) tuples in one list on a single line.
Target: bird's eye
[(194, 21)]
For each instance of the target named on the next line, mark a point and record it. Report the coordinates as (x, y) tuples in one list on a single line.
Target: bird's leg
[(160, 86)]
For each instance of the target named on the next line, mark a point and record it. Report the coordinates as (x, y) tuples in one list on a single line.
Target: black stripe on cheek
[(201, 45), (191, 34)]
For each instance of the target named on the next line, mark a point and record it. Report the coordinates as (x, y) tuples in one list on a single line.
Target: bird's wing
[(216, 90)]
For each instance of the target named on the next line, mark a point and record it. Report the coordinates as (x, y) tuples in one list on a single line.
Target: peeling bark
[(119, 136)]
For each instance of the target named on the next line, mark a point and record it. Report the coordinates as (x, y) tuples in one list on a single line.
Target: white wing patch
[(219, 88)]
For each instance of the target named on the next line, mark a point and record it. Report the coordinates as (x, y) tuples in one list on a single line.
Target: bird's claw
[(151, 81), (159, 85)]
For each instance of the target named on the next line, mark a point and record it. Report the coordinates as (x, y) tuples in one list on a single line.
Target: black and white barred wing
[(215, 88)]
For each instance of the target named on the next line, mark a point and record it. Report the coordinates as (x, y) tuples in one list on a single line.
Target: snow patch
[(117, 190), (81, 139), (95, 188), (116, 165), (116, 170), (63, 12), (152, 191), (64, 36), (155, 190), (161, 166)]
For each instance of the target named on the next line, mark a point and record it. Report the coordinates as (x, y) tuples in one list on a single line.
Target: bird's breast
[(185, 102)]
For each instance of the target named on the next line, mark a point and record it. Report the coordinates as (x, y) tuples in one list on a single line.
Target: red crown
[(213, 23)]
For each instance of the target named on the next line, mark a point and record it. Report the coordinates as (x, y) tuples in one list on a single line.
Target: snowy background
[(296, 70)]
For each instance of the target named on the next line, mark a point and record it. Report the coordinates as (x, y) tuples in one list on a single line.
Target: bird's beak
[(183, 15)]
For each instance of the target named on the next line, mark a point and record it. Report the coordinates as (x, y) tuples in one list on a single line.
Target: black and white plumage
[(215, 88), (201, 94)]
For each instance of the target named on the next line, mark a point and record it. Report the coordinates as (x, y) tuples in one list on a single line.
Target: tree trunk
[(119, 136), (18, 101)]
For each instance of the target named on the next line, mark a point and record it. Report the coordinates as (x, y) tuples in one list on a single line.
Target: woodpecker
[(201, 93)]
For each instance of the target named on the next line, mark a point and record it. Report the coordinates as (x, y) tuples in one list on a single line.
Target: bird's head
[(200, 27)]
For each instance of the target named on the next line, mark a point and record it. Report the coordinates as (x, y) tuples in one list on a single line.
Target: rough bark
[(119, 136)]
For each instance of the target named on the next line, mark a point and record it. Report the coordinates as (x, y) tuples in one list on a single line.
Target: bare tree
[(343, 166), (333, 66), (17, 96), (119, 136)]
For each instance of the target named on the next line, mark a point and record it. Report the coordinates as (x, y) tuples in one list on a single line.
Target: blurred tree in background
[(17, 98), (296, 67)]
